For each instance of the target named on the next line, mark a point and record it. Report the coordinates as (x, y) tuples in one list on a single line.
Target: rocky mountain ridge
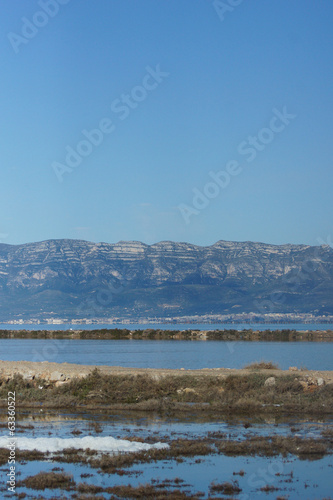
[(76, 278)]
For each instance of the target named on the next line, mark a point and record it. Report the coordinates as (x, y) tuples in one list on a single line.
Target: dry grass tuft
[(150, 492), (262, 365), (226, 488), (52, 480), (311, 449)]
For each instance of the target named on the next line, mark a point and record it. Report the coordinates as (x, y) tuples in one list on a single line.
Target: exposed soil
[(69, 370)]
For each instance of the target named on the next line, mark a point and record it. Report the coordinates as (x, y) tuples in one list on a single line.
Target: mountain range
[(79, 279)]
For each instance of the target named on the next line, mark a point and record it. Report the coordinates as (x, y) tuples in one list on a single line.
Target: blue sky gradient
[(224, 79)]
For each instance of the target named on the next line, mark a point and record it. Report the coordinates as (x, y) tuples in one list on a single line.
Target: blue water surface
[(169, 353)]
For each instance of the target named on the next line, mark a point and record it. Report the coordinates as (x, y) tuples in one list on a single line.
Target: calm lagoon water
[(169, 353), (295, 478)]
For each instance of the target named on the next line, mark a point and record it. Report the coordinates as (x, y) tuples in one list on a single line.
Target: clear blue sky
[(225, 77)]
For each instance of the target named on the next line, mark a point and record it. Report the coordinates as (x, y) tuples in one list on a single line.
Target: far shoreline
[(190, 334)]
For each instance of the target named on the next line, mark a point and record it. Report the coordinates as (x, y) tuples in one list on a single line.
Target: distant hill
[(77, 279)]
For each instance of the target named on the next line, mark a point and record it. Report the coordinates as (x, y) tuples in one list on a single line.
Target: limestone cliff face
[(55, 276)]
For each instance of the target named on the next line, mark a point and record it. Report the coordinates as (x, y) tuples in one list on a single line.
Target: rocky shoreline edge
[(61, 373)]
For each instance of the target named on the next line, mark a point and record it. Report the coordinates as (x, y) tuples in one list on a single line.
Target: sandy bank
[(67, 371)]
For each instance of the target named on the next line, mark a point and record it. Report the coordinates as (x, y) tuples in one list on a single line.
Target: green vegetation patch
[(241, 393)]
